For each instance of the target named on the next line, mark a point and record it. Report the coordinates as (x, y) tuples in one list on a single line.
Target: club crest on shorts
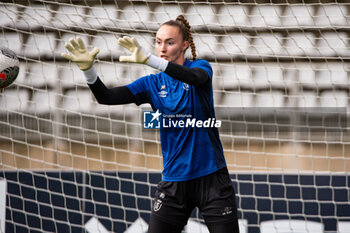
[(186, 86), (226, 210), (157, 205)]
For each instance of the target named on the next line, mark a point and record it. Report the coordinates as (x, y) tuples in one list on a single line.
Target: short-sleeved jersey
[(188, 152)]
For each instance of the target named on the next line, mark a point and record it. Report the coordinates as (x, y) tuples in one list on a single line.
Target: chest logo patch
[(163, 94)]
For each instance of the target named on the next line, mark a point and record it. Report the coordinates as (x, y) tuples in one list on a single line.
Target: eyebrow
[(157, 38)]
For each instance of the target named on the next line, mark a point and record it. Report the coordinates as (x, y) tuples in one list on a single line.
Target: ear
[(185, 45)]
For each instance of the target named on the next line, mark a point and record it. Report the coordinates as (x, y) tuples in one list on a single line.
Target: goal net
[(281, 90)]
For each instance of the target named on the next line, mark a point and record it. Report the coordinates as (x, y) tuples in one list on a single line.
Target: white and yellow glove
[(138, 55), (80, 56)]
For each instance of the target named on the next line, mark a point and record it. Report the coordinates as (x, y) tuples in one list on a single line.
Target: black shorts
[(212, 194)]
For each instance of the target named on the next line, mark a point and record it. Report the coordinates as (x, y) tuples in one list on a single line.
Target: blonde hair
[(185, 30)]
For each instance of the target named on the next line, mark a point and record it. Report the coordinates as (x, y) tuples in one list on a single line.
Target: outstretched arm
[(193, 76), (111, 96), (84, 60)]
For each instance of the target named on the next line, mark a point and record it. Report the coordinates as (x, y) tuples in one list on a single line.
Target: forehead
[(168, 32)]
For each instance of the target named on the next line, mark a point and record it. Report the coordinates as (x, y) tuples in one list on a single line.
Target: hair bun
[(180, 18)]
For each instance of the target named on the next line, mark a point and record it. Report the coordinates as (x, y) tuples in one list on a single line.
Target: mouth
[(164, 57)]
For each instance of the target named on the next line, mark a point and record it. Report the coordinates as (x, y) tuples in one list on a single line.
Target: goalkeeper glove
[(131, 44), (138, 55), (79, 54)]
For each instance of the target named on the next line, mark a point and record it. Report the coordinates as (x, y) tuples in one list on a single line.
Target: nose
[(163, 47)]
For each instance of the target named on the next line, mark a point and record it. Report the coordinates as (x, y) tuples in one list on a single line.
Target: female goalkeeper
[(195, 173)]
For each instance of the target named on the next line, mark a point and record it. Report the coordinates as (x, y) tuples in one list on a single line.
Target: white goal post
[(281, 88)]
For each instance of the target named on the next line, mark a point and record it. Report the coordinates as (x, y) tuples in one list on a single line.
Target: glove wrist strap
[(157, 63), (90, 75)]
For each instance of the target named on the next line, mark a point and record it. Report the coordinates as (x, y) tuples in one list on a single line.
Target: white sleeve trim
[(90, 75), (157, 63)]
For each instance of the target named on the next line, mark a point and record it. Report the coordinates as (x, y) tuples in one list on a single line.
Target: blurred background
[(281, 89)]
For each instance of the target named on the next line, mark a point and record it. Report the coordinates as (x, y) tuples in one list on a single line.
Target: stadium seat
[(268, 77), (199, 15), (13, 41), (343, 226), (232, 77), (43, 101), (233, 15), (306, 75), (291, 226), (110, 74), (165, 12), (35, 16), (69, 76), (135, 16), (39, 45), (237, 99), (308, 99), (330, 77), (333, 44), (233, 45), (108, 44), (266, 16), (42, 75), (147, 70), (216, 67), (8, 15), (301, 44), (129, 112), (298, 16), (218, 97), (14, 100), (69, 16), (217, 78), (131, 72), (22, 78), (332, 15), (267, 44), (128, 73), (206, 45), (269, 99), (334, 98), (102, 16), (99, 109), (77, 101)]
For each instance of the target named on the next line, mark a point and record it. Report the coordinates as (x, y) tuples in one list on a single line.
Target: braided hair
[(185, 30)]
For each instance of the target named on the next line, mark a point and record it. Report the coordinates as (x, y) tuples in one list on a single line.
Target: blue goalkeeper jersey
[(188, 152)]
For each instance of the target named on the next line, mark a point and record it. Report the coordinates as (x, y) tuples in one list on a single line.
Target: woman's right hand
[(79, 55), (137, 53)]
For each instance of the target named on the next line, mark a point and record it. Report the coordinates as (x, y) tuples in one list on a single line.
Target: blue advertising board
[(53, 201)]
